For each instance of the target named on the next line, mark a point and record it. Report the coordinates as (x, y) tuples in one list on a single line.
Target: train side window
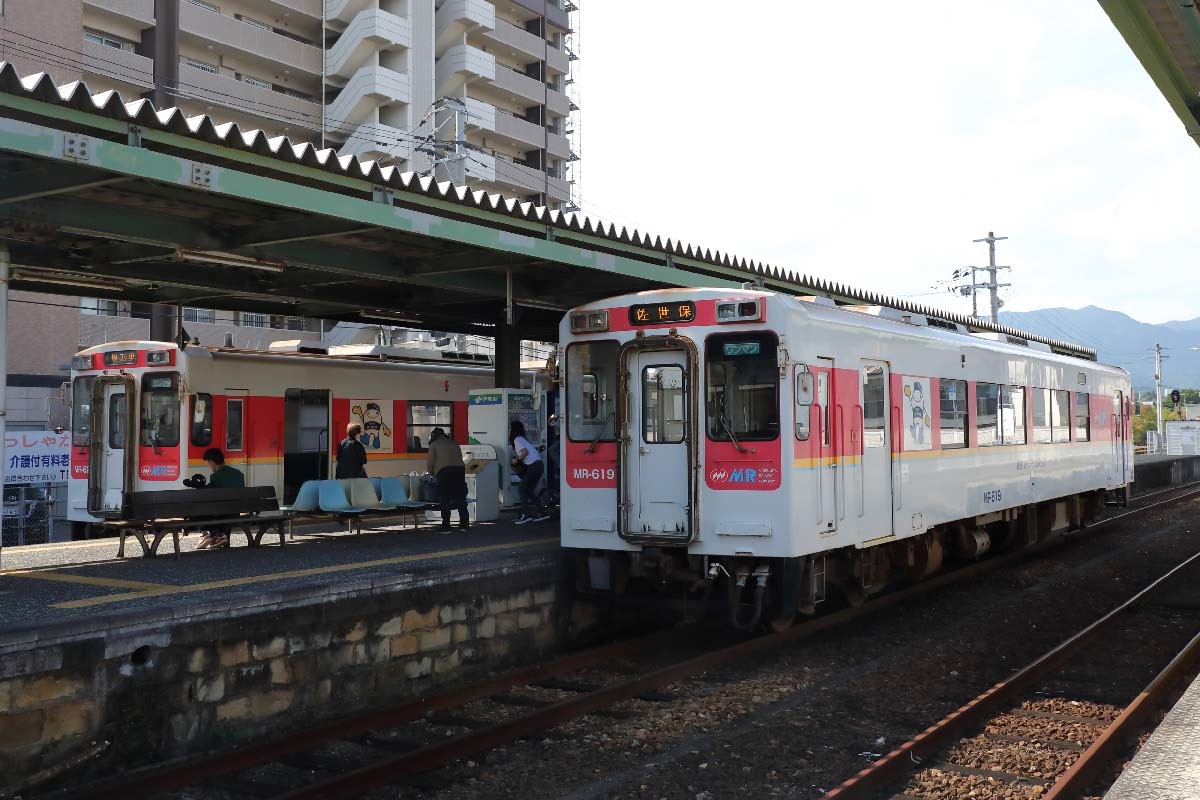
[(952, 400), (1012, 414), (234, 423), (987, 414), (1041, 416), (423, 417), (116, 421), (81, 411), (160, 409), (1060, 416), (591, 387), (202, 420), (1083, 417), (742, 396), (874, 407), (663, 412)]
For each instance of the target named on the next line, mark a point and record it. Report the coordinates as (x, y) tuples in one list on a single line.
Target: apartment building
[(467, 90)]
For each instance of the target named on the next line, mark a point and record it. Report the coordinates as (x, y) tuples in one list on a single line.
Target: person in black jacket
[(351, 455)]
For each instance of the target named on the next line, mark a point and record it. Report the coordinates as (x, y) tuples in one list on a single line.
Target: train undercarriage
[(753, 592)]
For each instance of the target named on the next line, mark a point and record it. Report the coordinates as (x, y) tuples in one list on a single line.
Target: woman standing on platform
[(527, 462), (352, 456)]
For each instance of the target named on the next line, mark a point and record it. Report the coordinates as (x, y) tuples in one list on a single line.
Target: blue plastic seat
[(394, 494), (362, 494), (307, 499), (332, 499), (378, 484)]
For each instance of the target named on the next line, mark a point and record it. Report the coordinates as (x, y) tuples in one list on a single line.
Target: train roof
[(947, 326)]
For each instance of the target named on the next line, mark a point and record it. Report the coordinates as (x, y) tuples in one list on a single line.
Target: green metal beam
[(51, 180), (37, 141), (1146, 41)]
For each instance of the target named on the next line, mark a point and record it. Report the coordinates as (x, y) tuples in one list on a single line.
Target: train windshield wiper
[(596, 440), (728, 426)]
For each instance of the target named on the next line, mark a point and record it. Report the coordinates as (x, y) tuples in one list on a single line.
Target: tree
[(1147, 420)]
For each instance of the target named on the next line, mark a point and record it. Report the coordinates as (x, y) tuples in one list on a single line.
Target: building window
[(952, 400), (249, 320), (97, 37), (1083, 418), (104, 308), (203, 66), (423, 417), (253, 22), (205, 6), (199, 315), (297, 324)]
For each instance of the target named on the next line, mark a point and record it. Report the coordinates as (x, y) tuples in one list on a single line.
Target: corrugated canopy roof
[(119, 199)]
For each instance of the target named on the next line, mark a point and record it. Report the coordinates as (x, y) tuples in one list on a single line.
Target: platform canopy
[(1165, 37), (114, 199)]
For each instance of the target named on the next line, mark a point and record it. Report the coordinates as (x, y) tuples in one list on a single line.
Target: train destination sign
[(662, 313), (121, 358)]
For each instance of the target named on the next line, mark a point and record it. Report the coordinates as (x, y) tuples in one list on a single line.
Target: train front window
[(81, 411), (663, 407), (160, 409), (592, 391), (742, 397)]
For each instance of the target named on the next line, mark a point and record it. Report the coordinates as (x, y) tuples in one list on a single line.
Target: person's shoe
[(204, 543), (219, 541), (443, 529), (464, 527), (521, 520), (540, 518)]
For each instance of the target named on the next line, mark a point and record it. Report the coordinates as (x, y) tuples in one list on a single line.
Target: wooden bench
[(253, 510)]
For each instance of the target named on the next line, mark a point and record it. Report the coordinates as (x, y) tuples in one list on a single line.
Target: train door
[(306, 442), (876, 468), (237, 453), (114, 401), (827, 469), (656, 469), (1118, 421)]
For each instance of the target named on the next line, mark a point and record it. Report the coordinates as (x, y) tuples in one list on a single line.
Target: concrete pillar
[(508, 356)]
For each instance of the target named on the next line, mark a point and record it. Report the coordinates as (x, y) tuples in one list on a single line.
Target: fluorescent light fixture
[(65, 280), (390, 316), (229, 259), (542, 304)]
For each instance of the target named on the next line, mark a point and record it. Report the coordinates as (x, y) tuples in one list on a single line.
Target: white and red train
[(144, 413), (774, 446)]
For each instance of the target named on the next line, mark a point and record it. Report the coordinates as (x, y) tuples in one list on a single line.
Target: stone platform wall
[(161, 690)]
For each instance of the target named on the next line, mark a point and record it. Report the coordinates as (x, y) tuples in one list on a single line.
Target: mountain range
[(1121, 340)]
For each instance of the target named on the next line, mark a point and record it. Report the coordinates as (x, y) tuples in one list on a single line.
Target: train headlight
[(740, 311), (81, 362), (158, 357), (589, 321)]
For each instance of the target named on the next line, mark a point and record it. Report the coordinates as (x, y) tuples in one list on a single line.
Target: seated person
[(223, 477)]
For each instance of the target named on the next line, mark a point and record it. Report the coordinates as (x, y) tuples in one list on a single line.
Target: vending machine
[(488, 415)]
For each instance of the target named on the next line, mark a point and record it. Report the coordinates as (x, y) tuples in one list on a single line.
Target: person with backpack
[(445, 462)]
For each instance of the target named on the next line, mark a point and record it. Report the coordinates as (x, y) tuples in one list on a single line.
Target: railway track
[(1055, 725), (396, 745)]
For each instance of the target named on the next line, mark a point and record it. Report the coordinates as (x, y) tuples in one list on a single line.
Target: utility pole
[(1158, 393), (992, 285), (969, 289)]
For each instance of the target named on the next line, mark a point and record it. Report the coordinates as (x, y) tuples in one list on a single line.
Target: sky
[(870, 143)]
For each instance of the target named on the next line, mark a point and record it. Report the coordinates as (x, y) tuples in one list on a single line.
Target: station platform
[(55, 592), (1168, 765)]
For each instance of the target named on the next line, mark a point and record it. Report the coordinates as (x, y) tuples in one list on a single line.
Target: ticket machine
[(488, 414)]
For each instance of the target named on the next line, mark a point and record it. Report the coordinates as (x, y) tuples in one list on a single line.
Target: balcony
[(229, 33), (557, 102), (368, 89), (481, 115), (553, 14), (345, 10), (461, 64), (368, 33), (141, 11), (522, 131), (374, 141), (528, 180), (118, 65), (251, 100), (557, 146), (481, 167), (519, 84), (456, 18), (527, 44)]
